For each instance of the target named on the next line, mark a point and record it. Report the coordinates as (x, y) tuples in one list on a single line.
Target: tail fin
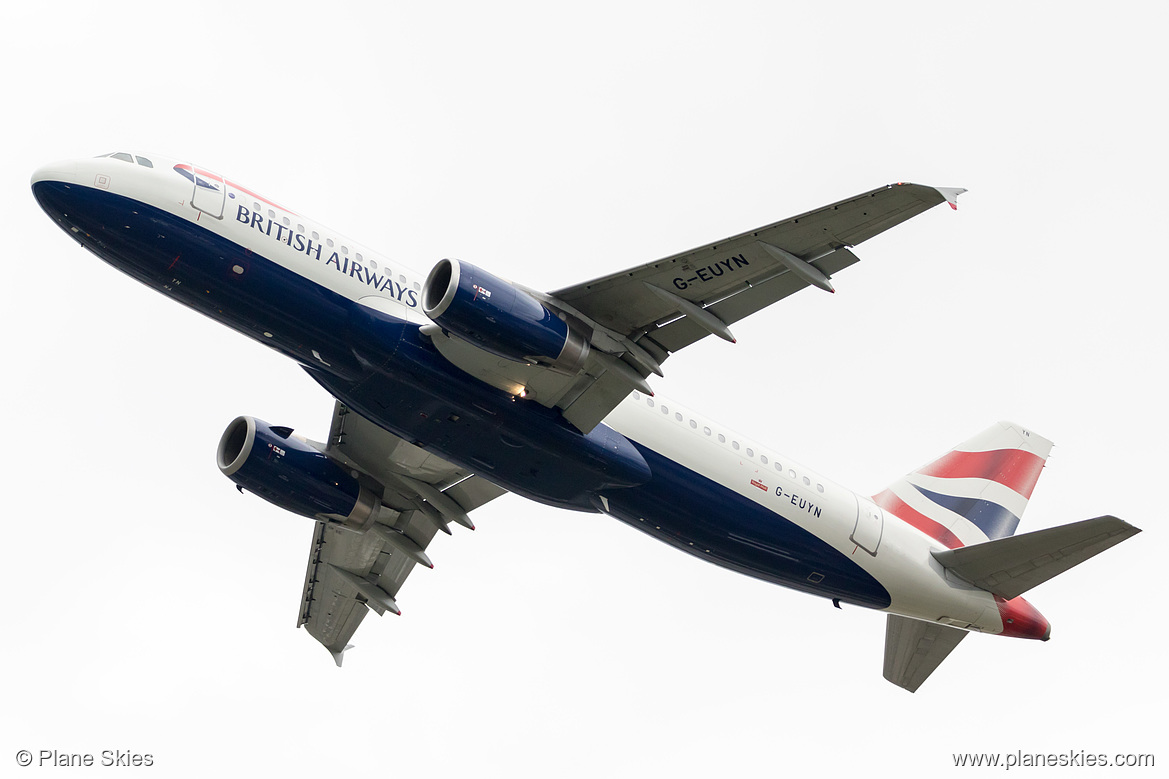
[(976, 491)]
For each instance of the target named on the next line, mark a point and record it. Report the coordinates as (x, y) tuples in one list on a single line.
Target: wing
[(914, 649), (738, 276), (351, 572), (643, 314), (632, 320)]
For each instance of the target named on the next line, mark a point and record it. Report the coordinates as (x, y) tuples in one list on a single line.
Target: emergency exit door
[(870, 524), (210, 192)]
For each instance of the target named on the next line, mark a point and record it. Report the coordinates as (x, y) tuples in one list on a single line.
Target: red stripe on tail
[(1014, 468), (903, 511)]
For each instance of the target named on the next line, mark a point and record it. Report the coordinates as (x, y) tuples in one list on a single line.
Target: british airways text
[(303, 243)]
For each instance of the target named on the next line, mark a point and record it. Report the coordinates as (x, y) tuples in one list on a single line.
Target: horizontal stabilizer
[(913, 649), (1008, 567)]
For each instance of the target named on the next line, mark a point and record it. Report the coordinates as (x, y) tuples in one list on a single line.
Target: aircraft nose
[(58, 187), (1022, 620), (62, 172)]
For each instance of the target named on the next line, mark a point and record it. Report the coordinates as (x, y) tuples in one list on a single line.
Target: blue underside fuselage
[(385, 370)]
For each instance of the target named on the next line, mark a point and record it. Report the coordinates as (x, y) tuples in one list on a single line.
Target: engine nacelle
[(501, 318), (288, 472)]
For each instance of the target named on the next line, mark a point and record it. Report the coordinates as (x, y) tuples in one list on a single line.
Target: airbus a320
[(458, 386)]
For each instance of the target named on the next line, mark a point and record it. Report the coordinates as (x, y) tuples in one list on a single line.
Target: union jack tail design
[(976, 491)]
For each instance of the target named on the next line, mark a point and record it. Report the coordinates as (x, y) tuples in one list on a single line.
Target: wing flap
[(914, 649), (601, 396), (474, 491)]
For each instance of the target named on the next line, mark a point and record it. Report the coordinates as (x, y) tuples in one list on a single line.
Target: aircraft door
[(870, 524), (210, 192)]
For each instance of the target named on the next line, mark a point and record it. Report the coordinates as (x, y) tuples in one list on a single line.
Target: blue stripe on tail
[(991, 518)]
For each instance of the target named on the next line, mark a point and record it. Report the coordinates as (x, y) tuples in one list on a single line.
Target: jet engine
[(501, 318), (288, 472)]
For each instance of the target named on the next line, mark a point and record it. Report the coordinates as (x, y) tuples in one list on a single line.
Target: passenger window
[(778, 467), (763, 459), (693, 425), (345, 250), (650, 401), (791, 473), (677, 416), (722, 439), (706, 430), (316, 236), (735, 445), (636, 394), (750, 453), (144, 162), (807, 482), (300, 229), (287, 223), (665, 410), (819, 488), (329, 241)]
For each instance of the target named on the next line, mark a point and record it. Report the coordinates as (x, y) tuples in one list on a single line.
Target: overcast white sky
[(152, 608)]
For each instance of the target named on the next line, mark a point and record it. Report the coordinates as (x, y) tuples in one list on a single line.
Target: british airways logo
[(302, 243)]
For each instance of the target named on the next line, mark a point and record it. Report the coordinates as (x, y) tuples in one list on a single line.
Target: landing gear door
[(210, 192), (870, 524)]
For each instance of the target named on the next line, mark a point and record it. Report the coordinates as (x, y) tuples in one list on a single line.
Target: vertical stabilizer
[(976, 491)]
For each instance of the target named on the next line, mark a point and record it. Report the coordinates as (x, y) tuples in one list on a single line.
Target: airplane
[(458, 386)]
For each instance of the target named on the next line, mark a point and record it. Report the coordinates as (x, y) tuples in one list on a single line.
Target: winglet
[(339, 656), (951, 195)]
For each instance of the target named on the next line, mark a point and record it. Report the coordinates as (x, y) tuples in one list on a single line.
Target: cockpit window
[(122, 156), (144, 162)]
